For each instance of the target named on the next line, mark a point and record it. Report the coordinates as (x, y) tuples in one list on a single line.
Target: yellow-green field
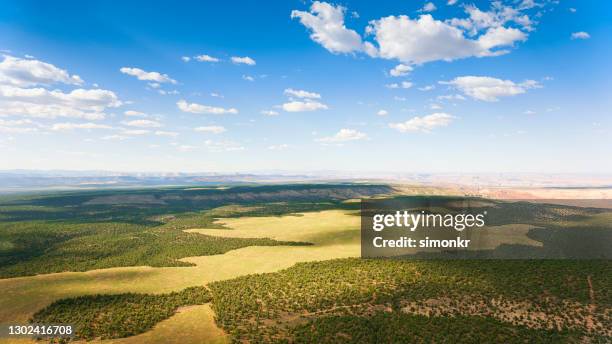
[(334, 234)]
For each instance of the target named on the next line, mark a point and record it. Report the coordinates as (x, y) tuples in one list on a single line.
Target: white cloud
[(344, 135), (71, 126), (299, 106), (301, 94), (216, 95), (501, 36), (451, 2), (423, 39), (14, 122), (498, 16), (423, 124), (135, 131), (203, 109), (186, 58), (133, 113), (166, 133), (403, 84), (243, 60), (17, 130), (185, 148), (427, 88), (115, 137), (573, 10), (42, 103), (429, 7), (527, 4), (435, 106), (417, 41), (213, 129), (490, 89), (223, 146), (382, 112), (580, 35), (206, 58), (326, 22), (269, 112), (248, 78), (451, 97), (147, 76), (164, 92), (142, 123), (27, 72), (278, 147), (400, 70)]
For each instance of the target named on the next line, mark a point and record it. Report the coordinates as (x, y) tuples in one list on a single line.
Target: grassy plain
[(23, 296)]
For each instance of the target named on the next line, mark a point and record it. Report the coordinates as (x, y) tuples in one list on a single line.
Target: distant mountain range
[(31, 180)]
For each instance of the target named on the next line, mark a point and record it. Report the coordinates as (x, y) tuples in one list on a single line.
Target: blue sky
[(401, 86)]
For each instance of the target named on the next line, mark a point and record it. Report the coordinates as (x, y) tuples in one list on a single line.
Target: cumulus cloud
[(403, 84), (206, 58), (300, 106), (147, 76), (429, 7), (18, 126), (133, 113), (166, 133), (213, 129), (301, 94), (501, 36), (72, 126), (417, 41), (580, 35), (204, 109), (382, 112), (185, 148), (400, 70), (451, 97), (326, 23), (135, 131), (343, 135), (423, 124), (19, 97), (28, 72), (142, 123), (223, 146), (269, 112), (42, 103), (17, 130), (282, 146), (186, 58), (243, 60), (422, 39), (490, 89)]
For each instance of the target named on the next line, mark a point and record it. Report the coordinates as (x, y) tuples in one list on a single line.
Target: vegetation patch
[(117, 316), (265, 308), (393, 327)]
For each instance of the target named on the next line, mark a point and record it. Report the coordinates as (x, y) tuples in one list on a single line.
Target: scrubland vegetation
[(117, 316), (265, 308), (67, 232), (335, 301)]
